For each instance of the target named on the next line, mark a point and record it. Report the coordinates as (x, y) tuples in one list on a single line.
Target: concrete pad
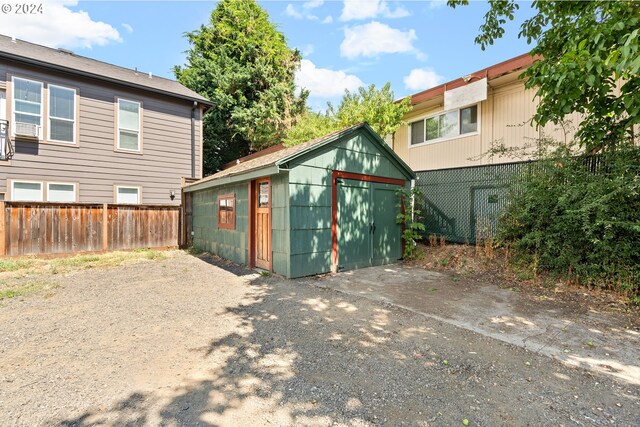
[(596, 341)]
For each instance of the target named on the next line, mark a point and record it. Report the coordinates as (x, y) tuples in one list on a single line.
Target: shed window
[(227, 211)]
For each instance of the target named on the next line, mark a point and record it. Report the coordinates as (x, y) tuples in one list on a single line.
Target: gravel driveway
[(189, 341)]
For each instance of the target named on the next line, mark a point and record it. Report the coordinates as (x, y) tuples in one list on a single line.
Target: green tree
[(588, 62), (374, 106), (242, 63)]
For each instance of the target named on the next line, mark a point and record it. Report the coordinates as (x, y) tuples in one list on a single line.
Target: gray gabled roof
[(68, 62), (271, 162)]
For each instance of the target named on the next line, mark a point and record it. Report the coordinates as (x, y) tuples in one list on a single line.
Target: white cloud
[(328, 19), (323, 82), (437, 4), (307, 50), (127, 27), (291, 11), (59, 26), (312, 4), (422, 79), (375, 38), (365, 9)]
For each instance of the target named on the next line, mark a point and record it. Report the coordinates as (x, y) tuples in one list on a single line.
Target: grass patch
[(111, 259), (32, 265), (13, 264), (23, 289)]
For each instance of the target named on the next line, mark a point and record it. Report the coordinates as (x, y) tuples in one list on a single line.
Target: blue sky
[(412, 44)]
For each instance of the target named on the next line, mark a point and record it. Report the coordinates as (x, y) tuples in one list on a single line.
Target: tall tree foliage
[(242, 63), (589, 62), (371, 105)]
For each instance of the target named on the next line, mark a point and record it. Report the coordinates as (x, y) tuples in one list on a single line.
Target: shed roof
[(69, 62), (271, 158)]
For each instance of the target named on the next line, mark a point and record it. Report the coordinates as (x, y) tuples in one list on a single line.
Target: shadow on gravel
[(226, 265), (315, 358), (307, 360)]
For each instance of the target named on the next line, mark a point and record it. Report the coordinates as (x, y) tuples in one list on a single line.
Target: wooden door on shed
[(262, 223)]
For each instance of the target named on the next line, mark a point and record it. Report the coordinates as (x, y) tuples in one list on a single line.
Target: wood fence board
[(48, 228)]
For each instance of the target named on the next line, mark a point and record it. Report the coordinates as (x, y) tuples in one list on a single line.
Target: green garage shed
[(325, 205)]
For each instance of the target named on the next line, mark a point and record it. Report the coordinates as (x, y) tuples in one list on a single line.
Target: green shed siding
[(280, 224), (230, 244), (301, 201), (310, 196)]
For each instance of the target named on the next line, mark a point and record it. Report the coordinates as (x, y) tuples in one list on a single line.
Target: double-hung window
[(62, 114), (128, 125), (447, 125), (27, 105)]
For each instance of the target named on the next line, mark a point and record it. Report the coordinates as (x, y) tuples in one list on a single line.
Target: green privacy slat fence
[(463, 204)]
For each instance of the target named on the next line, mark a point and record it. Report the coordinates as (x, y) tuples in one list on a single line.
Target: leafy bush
[(580, 216), (411, 219)]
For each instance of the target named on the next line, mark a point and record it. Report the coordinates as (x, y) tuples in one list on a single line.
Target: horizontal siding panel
[(94, 164)]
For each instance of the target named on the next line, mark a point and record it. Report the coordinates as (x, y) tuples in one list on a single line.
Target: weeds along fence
[(37, 228), (464, 204)]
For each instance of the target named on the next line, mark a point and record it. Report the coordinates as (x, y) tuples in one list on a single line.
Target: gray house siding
[(94, 164)]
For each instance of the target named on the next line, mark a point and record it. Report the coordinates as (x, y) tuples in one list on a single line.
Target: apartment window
[(62, 114), (26, 191), (27, 103), (128, 195), (450, 124), (227, 211), (61, 192), (128, 125)]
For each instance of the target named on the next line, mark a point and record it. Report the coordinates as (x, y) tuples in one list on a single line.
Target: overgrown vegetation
[(575, 214), (579, 217), (374, 106), (411, 219)]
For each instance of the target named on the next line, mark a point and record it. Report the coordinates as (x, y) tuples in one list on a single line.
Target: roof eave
[(232, 178), (44, 64)]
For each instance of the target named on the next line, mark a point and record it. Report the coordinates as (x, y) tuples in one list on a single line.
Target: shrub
[(580, 216)]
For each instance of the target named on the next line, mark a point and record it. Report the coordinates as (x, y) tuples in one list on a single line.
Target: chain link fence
[(463, 204)]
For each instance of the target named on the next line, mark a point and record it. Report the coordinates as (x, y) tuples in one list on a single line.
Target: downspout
[(193, 139)]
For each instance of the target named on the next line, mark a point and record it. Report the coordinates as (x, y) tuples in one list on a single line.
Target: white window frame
[(448, 138), (49, 116), (75, 191), (13, 104), (139, 189), (13, 189), (118, 127)]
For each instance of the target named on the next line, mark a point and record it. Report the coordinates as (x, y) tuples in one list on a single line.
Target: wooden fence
[(57, 228)]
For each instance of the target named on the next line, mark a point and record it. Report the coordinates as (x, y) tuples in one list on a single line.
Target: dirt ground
[(192, 340)]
